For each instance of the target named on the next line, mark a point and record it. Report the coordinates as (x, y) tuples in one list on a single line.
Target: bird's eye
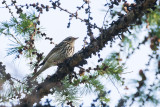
[(69, 39)]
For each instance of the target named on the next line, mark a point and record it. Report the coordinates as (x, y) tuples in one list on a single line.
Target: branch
[(19, 42), (96, 45), (75, 15), (2, 70)]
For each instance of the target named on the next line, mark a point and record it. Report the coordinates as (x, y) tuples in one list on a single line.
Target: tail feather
[(43, 68)]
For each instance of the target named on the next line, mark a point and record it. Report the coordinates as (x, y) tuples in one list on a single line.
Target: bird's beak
[(76, 38)]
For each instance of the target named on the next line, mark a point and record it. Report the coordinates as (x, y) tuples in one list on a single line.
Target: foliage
[(146, 93), (112, 67), (22, 31)]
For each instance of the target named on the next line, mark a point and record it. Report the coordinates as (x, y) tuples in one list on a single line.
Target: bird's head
[(70, 39)]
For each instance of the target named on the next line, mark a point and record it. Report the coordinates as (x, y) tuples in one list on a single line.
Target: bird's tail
[(43, 68)]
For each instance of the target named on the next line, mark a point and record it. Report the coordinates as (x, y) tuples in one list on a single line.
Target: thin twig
[(65, 10), (115, 87), (105, 18), (18, 80), (77, 11), (7, 6), (13, 38)]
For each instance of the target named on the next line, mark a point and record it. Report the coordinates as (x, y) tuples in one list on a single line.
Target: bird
[(57, 55)]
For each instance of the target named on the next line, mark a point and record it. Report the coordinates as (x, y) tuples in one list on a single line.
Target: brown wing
[(57, 47)]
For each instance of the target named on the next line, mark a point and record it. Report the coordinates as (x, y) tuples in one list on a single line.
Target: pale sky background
[(55, 23)]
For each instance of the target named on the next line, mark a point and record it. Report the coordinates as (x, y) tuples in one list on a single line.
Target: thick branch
[(96, 45)]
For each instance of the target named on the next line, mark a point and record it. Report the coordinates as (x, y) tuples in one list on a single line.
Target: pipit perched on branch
[(58, 54)]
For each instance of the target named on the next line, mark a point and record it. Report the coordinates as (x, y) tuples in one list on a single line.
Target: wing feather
[(57, 47)]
